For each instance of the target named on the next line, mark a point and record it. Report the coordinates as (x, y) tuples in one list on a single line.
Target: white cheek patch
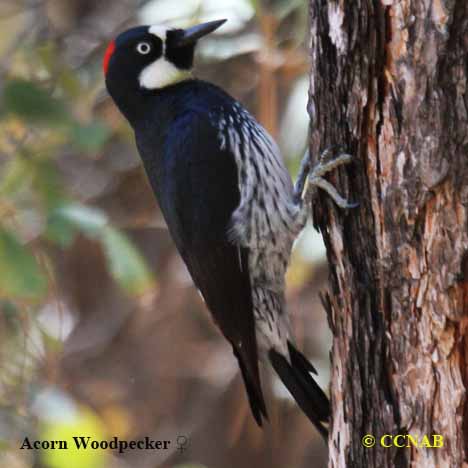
[(161, 72)]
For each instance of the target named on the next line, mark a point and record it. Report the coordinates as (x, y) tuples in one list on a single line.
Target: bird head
[(152, 57)]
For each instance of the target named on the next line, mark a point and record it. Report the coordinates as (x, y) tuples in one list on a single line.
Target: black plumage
[(198, 191)]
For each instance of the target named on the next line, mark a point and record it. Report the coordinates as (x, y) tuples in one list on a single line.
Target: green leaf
[(11, 316), (89, 137), (17, 175), (70, 83), (8, 310), (60, 230), (20, 275), (32, 103), (125, 263), (89, 220), (46, 181)]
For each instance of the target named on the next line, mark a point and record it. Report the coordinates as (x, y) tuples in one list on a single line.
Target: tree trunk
[(389, 84)]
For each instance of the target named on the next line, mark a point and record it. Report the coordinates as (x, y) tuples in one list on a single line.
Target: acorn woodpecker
[(227, 198)]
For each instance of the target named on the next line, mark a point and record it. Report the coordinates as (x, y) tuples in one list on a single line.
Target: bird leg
[(327, 163)]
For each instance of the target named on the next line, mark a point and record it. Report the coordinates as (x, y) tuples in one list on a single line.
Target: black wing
[(198, 192)]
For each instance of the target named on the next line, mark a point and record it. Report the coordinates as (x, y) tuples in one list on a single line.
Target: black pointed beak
[(194, 33)]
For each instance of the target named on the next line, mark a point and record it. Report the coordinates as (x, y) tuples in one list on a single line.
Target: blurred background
[(101, 330)]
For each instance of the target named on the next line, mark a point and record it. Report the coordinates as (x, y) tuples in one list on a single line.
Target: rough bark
[(388, 83)]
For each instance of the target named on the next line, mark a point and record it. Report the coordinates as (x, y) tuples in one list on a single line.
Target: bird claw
[(327, 163), (332, 192)]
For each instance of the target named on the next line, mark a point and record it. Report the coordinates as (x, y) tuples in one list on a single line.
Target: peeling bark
[(388, 83)]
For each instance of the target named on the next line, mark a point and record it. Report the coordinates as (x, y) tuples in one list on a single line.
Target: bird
[(227, 198)]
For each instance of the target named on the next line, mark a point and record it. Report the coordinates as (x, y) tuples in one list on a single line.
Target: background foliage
[(101, 331)]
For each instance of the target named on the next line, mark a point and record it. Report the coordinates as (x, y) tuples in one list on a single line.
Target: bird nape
[(227, 198)]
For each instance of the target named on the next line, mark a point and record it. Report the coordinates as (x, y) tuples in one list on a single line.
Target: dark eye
[(143, 48)]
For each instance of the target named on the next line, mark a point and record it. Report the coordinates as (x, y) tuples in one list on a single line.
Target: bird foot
[(327, 163)]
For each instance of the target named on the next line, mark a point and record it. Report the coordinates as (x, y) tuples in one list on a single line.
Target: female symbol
[(182, 443)]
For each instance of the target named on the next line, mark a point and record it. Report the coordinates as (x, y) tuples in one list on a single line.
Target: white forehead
[(159, 31)]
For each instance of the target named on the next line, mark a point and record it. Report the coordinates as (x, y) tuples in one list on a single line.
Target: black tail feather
[(297, 378), (254, 392)]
